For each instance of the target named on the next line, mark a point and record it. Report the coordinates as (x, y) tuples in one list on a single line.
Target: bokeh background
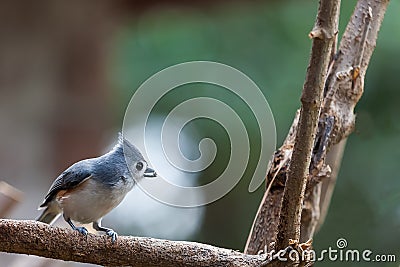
[(69, 68)]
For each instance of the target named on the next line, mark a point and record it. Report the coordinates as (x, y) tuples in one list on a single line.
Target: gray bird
[(91, 188)]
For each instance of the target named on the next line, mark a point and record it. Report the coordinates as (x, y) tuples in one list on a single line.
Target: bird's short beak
[(149, 172)]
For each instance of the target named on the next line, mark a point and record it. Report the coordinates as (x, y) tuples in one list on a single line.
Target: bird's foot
[(82, 230), (111, 233)]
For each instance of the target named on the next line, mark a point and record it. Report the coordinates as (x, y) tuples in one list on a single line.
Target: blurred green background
[(268, 42)]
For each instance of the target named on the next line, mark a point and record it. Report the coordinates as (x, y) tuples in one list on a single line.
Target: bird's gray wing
[(69, 179)]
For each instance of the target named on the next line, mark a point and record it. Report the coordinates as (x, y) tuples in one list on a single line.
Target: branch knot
[(320, 33)]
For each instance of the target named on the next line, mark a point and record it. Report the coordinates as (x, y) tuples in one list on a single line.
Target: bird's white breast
[(90, 201)]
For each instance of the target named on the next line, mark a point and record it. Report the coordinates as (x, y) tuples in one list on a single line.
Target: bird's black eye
[(139, 166)]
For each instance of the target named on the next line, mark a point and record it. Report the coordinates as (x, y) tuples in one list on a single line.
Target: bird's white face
[(138, 169), (141, 169)]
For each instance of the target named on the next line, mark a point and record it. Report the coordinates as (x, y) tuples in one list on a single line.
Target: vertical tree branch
[(342, 92), (323, 34), (343, 88)]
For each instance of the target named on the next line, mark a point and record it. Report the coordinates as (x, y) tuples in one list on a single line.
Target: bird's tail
[(49, 215)]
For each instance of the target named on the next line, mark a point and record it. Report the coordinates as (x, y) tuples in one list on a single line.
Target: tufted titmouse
[(91, 188)]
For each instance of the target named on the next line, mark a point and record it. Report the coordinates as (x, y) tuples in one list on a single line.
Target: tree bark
[(323, 34), (34, 238)]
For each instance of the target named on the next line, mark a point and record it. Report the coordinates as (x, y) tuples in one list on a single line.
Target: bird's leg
[(110, 232), (81, 230)]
